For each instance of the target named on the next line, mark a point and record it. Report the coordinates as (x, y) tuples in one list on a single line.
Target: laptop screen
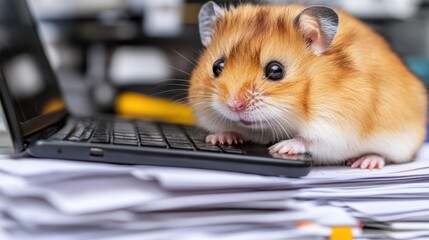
[(31, 95)]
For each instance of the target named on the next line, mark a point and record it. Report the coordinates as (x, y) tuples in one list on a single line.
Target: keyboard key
[(87, 134), (153, 144), (102, 133), (123, 142), (78, 131), (125, 134), (151, 139), (100, 140), (208, 148), (179, 141), (74, 139), (231, 149), (186, 146), (174, 134), (157, 136), (124, 137), (148, 129)]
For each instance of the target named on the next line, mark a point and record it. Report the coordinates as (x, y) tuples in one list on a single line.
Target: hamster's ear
[(209, 14), (318, 25)]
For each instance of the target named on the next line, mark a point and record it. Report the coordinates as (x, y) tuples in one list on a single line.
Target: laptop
[(41, 126)]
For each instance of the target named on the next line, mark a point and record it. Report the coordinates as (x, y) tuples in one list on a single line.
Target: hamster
[(306, 80)]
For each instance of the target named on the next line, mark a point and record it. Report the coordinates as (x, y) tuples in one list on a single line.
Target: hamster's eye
[(274, 71), (218, 67)]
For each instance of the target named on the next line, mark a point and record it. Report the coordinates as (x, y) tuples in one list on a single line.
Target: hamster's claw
[(226, 138), (291, 146), (370, 161)]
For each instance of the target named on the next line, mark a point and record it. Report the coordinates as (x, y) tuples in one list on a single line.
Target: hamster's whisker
[(175, 85), (265, 119), (169, 84), (187, 59), (288, 134), (184, 89), (166, 91), (274, 122), (199, 52), (210, 113), (279, 127), (177, 79), (277, 132), (265, 85), (224, 121), (179, 94), (199, 99), (181, 80), (180, 70), (279, 121), (180, 100), (218, 119), (282, 108), (207, 112)]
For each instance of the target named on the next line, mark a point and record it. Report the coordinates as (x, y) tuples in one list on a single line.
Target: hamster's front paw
[(291, 146), (224, 138), (370, 161)]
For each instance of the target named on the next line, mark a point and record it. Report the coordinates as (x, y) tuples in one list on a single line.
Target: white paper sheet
[(386, 207), (93, 194)]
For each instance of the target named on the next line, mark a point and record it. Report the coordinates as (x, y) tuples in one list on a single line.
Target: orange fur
[(359, 84)]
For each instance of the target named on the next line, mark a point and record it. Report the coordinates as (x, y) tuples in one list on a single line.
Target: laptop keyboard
[(141, 134)]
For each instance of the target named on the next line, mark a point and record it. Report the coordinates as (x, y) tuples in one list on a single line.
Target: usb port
[(96, 152)]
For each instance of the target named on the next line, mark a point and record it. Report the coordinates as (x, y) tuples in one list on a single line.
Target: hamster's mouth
[(252, 124), (247, 123)]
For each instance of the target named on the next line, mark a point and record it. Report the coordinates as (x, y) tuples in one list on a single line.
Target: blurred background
[(101, 49)]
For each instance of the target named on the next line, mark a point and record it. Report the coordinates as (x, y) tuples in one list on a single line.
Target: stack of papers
[(61, 200), (53, 199)]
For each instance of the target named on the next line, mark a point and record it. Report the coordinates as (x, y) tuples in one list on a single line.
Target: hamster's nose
[(236, 105)]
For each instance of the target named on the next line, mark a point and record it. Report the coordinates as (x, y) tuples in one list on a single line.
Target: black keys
[(196, 135), (146, 134), (100, 140), (74, 139), (102, 134), (81, 132), (125, 142), (150, 135), (64, 132), (208, 147), (124, 133), (178, 145), (87, 134), (153, 144), (231, 149), (150, 139), (176, 138)]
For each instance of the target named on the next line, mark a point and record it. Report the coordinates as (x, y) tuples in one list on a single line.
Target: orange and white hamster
[(311, 80)]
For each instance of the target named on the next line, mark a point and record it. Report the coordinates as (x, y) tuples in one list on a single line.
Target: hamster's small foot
[(224, 138), (370, 161), (291, 146)]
